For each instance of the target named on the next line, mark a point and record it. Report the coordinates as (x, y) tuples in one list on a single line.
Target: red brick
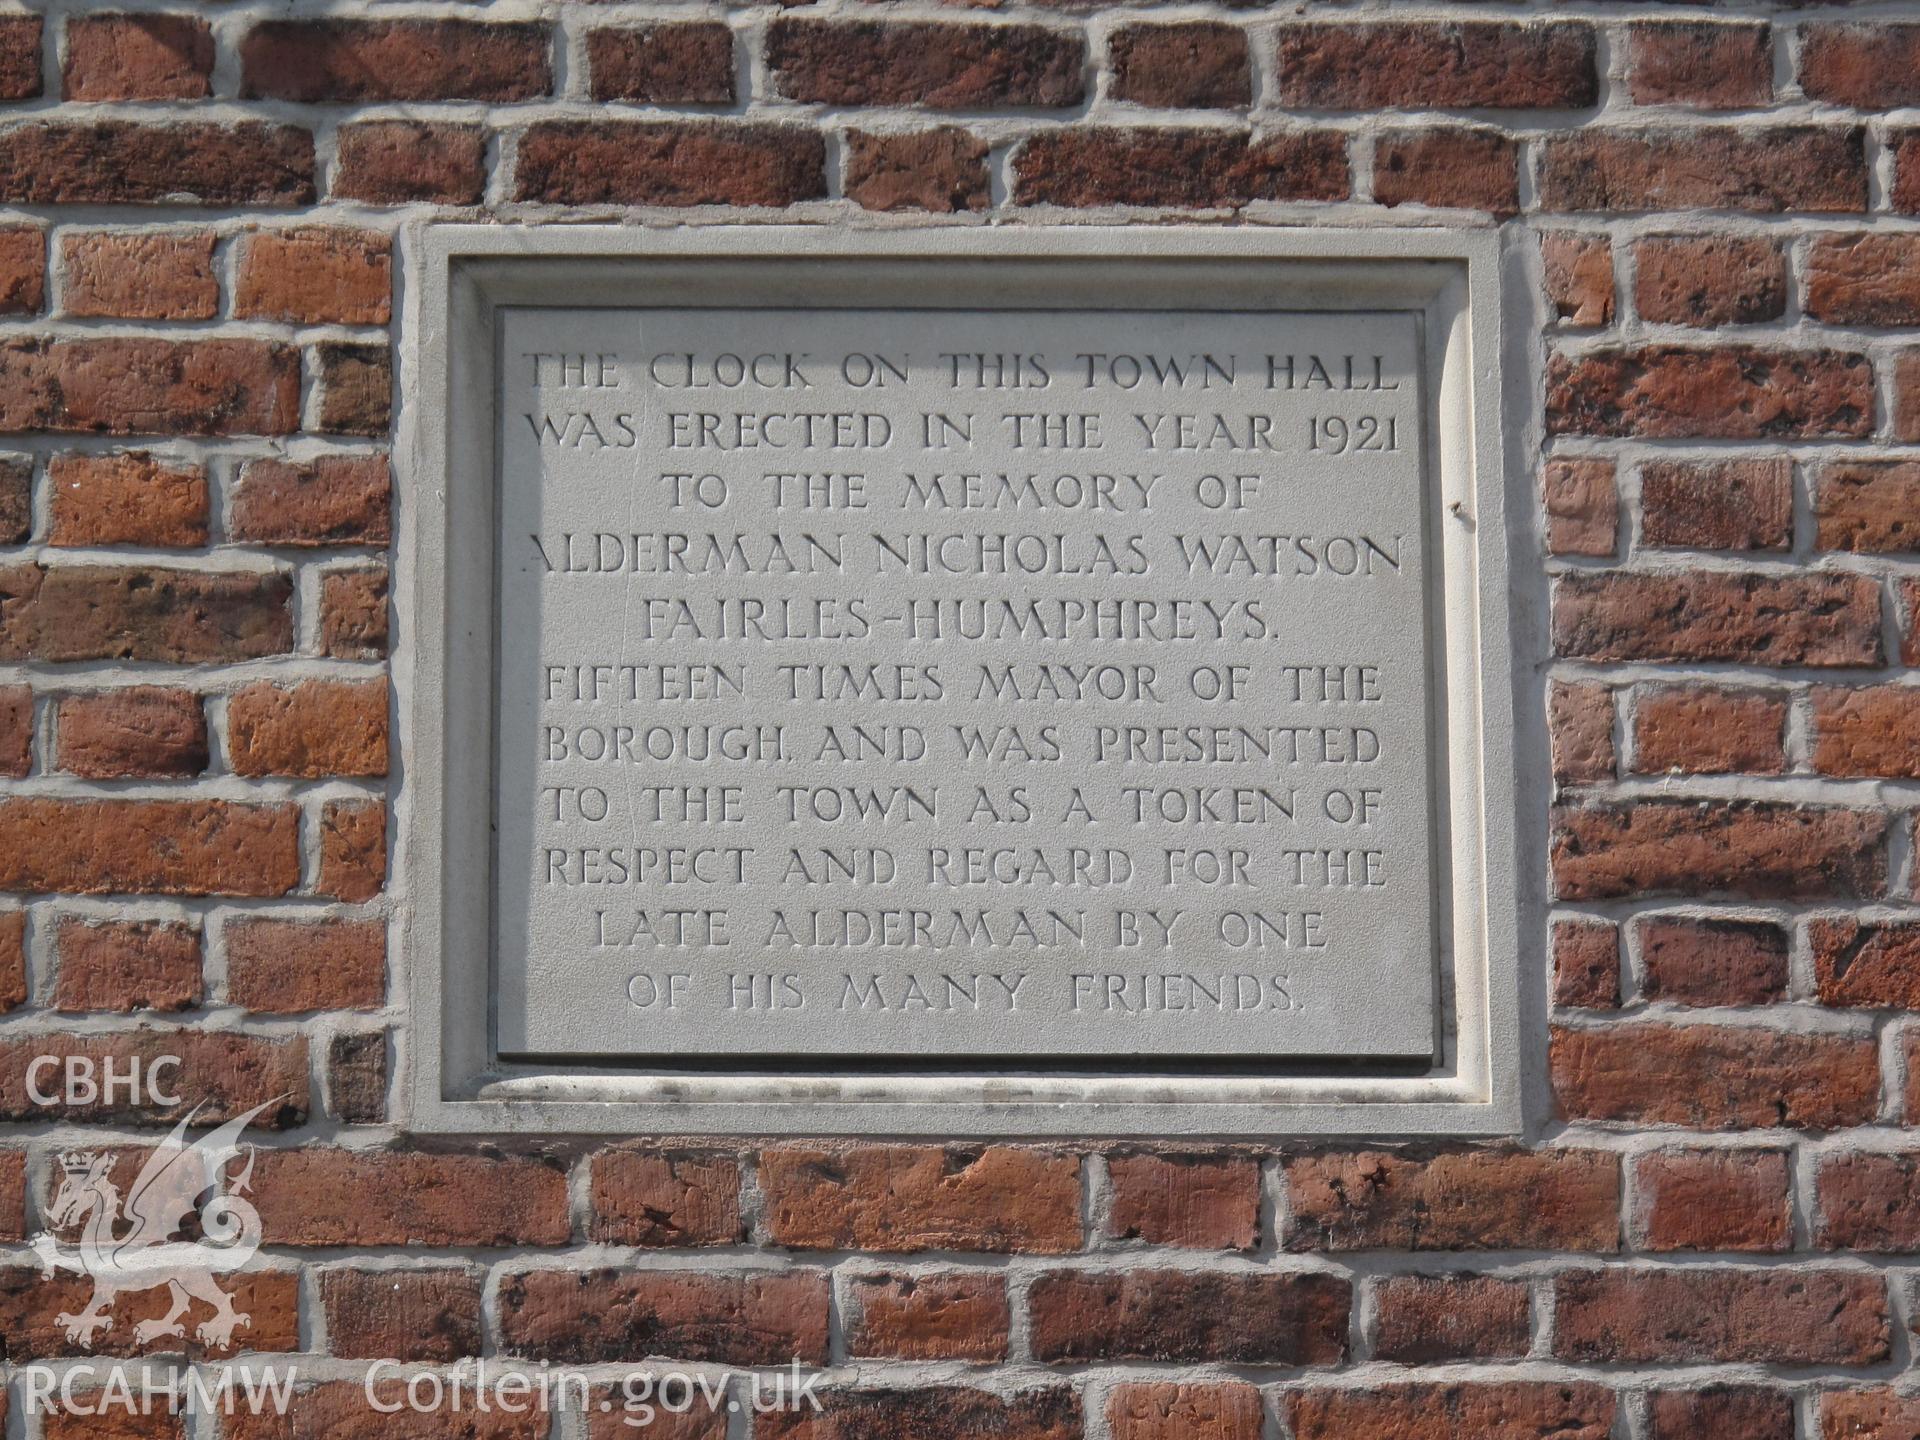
[(1872, 1414), (1463, 1200), (1707, 64), (1454, 168), (125, 965), (1434, 65), (1709, 730), (429, 1317), (329, 501), (942, 66), (19, 57), (1577, 270), (1868, 1200), (1906, 396), (940, 171), (126, 499), (599, 162), (1200, 64), (353, 614), (138, 385), (951, 1412), (1744, 504), (1870, 965), (353, 849), (339, 1408), (119, 162), (98, 1415), (1586, 964), (1711, 962), (1871, 731), (665, 1198), (394, 60), (1717, 1199), (1677, 1316), (1708, 281), (960, 1315), (1508, 1410), (1732, 392), (1905, 192), (356, 388), (357, 1076), (138, 57), (1870, 67), (1201, 1201), (139, 275), (102, 612), (13, 959), (16, 730), (399, 162), (1271, 1318), (1864, 279), (16, 499), (285, 967), (23, 270), (1871, 506), (996, 1198), (1582, 505), (1910, 633), (738, 1317), (1708, 167), (314, 730), (322, 1196), (1580, 724), (223, 1073), (676, 63), (158, 847), (1714, 1077), (1813, 620), (1164, 1410), (1757, 849), (1748, 1412), (1429, 1319), (1179, 169), (315, 275), (141, 732), (31, 1302)]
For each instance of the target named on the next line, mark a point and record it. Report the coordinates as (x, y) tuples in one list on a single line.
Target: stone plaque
[(905, 672)]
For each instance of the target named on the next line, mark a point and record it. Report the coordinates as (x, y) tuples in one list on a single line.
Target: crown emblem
[(76, 1162)]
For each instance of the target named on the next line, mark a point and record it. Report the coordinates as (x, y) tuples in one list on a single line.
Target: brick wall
[(1706, 1232)]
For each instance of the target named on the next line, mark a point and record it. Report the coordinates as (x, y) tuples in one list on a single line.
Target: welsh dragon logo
[(131, 1245)]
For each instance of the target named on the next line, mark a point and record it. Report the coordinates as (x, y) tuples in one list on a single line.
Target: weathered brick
[(1757, 849), (139, 274), (1431, 64), (601, 1316), (1179, 169), (315, 275), (100, 1415), (959, 1315), (13, 960), (1580, 726), (111, 612), (1460, 1200), (1456, 168), (414, 1316), (1720, 1199), (1201, 1201), (16, 730), (953, 1412), (1873, 730), (1904, 195), (1708, 281), (1910, 632), (315, 730), (138, 57), (137, 385), (19, 57), (942, 66), (599, 162), (23, 270), (1730, 392), (1586, 964), (1709, 730), (1868, 66), (1677, 1316), (1870, 965), (357, 59), (1714, 1077), (1273, 1318), (353, 849), (353, 614), (1749, 1412), (1708, 167), (1505, 1410), (1577, 270), (1165, 1410), (1743, 504), (125, 965), (30, 1329), (1582, 505), (1864, 278), (284, 967), (1711, 962), (323, 1196), (1429, 1319), (220, 1076), (356, 388), (141, 732), (1877, 1413), (1813, 620), (357, 1076), (687, 62), (1872, 506), (160, 847), (130, 498), (666, 1198), (1707, 64), (16, 499), (399, 162), (119, 162), (922, 1197), (1199, 64), (379, 1406), (332, 500), (942, 170)]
